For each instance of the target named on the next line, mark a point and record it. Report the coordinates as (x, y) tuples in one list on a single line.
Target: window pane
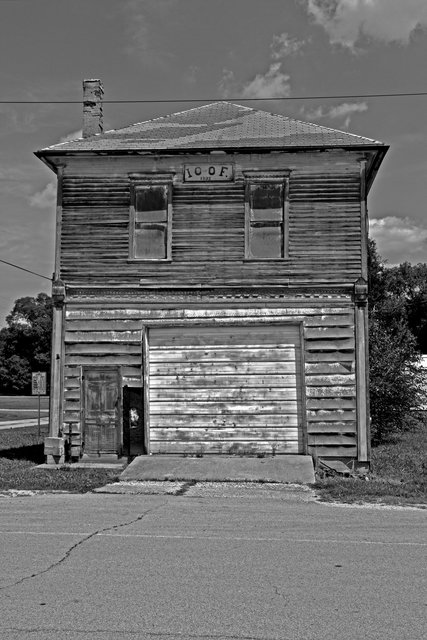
[(150, 241), (151, 216), (266, 242), (150, 199), (267, 215), (266, 196)]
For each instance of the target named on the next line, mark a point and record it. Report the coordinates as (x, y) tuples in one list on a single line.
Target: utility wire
[(27, 270), (238, 99)]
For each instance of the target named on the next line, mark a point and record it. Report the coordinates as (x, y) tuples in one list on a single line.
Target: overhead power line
[(27, 270), (237, 99)]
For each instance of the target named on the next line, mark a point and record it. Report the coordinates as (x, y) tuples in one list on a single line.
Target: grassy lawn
[(22, 437), (21, 450), (398, 474), (21, 474), (5, 416), (23, 403), (23, 408)]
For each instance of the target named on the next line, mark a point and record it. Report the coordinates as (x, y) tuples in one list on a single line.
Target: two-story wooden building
[(210, 285)]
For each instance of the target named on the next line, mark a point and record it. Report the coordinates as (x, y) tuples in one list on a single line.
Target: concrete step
[(286, 469)]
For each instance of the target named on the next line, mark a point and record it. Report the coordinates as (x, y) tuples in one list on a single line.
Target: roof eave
[(374, 165), (43, 154)]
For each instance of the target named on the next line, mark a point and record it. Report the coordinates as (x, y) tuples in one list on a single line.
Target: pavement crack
[(279, 593), (79, 544), (185, 487)]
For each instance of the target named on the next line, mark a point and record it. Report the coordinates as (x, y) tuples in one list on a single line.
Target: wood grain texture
[(224, 389), (323, 231), (254, 387), (324, 239), (223, 447)]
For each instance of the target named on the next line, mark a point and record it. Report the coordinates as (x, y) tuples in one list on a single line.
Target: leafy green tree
[(397, 384), (25, 343), (409, 282)]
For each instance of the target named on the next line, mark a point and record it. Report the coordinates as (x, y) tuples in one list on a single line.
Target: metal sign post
[(38, 388)]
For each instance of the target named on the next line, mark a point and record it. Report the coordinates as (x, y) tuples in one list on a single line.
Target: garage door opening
[(225, 390)]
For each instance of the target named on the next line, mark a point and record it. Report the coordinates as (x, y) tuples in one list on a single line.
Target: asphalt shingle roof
[(219, 125)]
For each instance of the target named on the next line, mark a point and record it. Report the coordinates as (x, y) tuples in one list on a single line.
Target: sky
[(176, 50)]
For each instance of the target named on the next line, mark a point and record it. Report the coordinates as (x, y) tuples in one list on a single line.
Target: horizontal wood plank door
[(101, 411), (225, 390)]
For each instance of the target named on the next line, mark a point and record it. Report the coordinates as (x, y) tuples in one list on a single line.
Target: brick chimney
[(92, 107)]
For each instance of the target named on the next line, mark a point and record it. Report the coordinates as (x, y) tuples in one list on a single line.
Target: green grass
[(23, 402), (6, 416), (23, 474), (398, 474), (22, 437), (23, 408), (21, 450)]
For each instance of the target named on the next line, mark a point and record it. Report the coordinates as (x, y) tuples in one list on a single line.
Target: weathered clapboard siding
[(248, 448), (329, 372), (201, 213), (183, 386), (208, 227)]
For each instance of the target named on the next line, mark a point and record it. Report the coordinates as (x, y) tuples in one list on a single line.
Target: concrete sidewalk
[(286, 469)]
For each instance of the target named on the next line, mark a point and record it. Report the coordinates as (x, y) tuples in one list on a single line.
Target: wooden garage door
[(225, 390)]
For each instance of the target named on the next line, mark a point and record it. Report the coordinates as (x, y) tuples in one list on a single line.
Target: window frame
[(266, 177), (145, 181)]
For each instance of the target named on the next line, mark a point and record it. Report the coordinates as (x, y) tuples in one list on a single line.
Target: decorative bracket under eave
[(361, 292), (58, 293)]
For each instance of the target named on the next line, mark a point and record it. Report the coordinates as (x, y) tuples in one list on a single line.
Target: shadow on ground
[(33, 453)]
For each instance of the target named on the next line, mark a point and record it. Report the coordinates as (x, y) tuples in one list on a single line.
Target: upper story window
[(150, 220), (266, 236)]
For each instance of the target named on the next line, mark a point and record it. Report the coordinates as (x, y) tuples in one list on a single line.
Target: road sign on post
[(38, 388), (38, 383)]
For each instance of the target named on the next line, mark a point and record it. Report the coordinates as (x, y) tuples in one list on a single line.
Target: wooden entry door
[(102, 411)]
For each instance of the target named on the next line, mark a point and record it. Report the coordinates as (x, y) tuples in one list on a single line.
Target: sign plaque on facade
[(208, 172)]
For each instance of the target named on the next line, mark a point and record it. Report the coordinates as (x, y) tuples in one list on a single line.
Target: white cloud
[(347, 108), (16, 119), (272, 83), (13, 173), (344, 110), (399, 239), (228, 85), (285, 45), (347, 21), (145, 19), (74, 135), (46, 198), (192, 74), (15, 179)]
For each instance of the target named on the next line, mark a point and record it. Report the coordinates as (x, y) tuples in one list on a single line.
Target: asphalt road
[(209, 565)]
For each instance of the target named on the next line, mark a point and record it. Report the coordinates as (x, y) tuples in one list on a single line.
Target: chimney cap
[(97, 80)]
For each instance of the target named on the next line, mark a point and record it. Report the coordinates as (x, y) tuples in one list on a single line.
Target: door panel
[(102, 399)]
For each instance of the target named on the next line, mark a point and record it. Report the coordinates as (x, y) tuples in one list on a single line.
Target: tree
[(409, 282), (396, 381), (25, 343)]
